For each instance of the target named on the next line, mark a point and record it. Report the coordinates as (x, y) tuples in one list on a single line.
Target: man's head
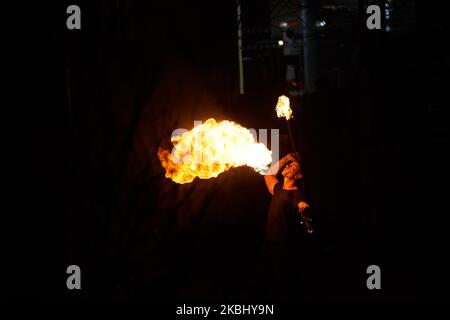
[(292, 171)]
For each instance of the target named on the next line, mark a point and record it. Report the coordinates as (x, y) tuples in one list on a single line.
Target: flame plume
[(283, 108), (212, 148)]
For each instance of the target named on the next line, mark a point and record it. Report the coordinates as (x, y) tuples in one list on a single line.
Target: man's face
[(292, 171)]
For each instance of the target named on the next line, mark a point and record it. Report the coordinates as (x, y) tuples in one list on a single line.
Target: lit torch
[(212, 148), (284, 111)]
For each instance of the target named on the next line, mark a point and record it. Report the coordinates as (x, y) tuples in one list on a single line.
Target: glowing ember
[(283, 109), (212, 148)]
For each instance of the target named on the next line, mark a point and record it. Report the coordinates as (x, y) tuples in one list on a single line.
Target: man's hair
[(299, 167)]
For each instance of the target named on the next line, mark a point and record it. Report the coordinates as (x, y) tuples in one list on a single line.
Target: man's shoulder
[(277, 188)]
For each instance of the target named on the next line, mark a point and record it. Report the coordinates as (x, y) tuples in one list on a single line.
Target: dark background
[(89, 189)]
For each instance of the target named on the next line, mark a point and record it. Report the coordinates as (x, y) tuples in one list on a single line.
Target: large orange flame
[(283, 108), (212, 148)]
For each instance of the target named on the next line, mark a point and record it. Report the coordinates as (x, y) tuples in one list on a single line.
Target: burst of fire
[(283, 109), (212, 148)]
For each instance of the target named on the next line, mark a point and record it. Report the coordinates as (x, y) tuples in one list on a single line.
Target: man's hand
[(302, 205), (304, 219), (291, 157)]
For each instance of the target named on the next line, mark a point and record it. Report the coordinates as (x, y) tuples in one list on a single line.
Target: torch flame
[(283, 109), (212, 148)]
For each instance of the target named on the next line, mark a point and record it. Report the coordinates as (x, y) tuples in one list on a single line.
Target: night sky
[(92, 106)]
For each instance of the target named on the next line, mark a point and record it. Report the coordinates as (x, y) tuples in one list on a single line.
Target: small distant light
[(320, 23), (283, 24), (280, 43), (388, 28)]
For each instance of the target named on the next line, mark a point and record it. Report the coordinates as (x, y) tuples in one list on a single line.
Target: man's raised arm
[(271, 176)]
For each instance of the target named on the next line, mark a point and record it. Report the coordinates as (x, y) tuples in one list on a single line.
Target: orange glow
[(212, 148)]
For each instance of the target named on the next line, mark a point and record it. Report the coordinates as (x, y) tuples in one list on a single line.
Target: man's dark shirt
[(283, 222)]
